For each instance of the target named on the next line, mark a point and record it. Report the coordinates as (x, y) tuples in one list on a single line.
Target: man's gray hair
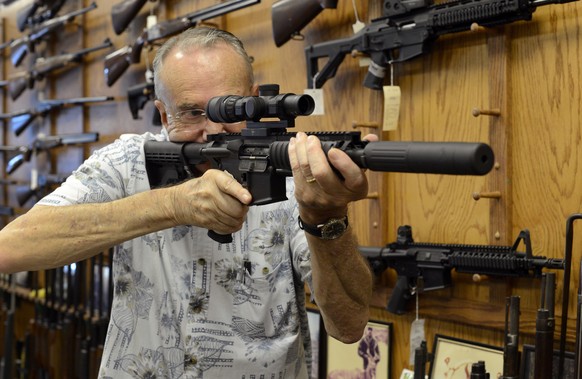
[(199, 37)]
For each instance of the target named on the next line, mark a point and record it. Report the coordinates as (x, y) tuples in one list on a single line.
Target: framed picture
[(317, 334), (528, 363), (370, 358), (453, 358)]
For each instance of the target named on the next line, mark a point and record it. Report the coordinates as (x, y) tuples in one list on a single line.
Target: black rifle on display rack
[(545, 324), (137, 97), (20, 47), (258, 159), (124, 12), (407, 29), (433, 263), (119, 61), (45, 66), (37, 12), (421, 358), (511, 345), (20, 120), (44, 143)]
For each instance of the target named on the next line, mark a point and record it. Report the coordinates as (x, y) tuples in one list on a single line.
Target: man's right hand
[(214, 201)]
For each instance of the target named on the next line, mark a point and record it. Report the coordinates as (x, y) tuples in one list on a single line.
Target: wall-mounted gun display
[(258, 158), (431, 264), (20, 120), (288, 17), (407, 29), (44, 66), (20, 47), (119, 61), (44, 143), (37, 12), (124, 12), (137, 97)]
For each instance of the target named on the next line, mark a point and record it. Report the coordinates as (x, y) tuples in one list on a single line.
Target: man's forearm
[(342, 285), (52, 236)]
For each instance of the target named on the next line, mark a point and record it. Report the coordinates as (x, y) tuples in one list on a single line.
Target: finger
[(303, 160), (227, 184), (353, 175), (370, 138)]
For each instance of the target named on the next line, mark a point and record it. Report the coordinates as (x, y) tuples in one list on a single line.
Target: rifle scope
[(232, 108)]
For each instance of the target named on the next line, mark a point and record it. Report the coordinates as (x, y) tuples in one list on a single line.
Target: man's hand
[(320, 192), (215, 201)]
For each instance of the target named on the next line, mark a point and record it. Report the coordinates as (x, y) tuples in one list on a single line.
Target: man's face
[(190, 80)]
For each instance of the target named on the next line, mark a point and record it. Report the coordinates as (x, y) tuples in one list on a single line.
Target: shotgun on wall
[(407, 30), (258, 156)]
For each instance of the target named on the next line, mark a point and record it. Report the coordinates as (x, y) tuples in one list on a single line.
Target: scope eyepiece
[(233, 108)]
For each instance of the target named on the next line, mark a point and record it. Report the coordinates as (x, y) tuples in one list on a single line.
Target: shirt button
[(202, 261), (265, 270)]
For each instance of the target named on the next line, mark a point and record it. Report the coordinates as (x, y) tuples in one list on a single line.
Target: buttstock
[(123, 13), (116, 64), (17, 86)]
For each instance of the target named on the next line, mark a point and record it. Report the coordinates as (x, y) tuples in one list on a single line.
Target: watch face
[(333, 229)]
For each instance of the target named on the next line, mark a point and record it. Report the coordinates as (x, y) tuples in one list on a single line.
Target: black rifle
[(258, 158), (421, 357), (44, 143), (117, 62), (433, 263), (20, 120), (124, 12), (44, 66), (545, 324), (21, 46), (407, 29), (511, 346), (137, 97), (9, 337), (37, 12), (6, 211), (478, 371)]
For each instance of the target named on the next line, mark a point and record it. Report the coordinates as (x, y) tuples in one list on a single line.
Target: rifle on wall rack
[(45, 66), (44, 143), (20, 120), (119, 61), (407, 29), (428, 266), (137, 97), (20, 47), (124, 12), (37, 12)]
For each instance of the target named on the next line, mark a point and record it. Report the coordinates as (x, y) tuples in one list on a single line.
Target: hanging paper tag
[(406, 374), (317, 94), (151, 20), (391, 107), (416, 337)]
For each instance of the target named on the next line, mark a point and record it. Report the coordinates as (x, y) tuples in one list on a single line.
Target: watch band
[(331, 229)]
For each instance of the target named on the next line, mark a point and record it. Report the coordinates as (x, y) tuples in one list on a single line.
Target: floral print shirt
[(185, 306)]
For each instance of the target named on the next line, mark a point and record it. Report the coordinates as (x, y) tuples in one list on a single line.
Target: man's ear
[(163, 113)]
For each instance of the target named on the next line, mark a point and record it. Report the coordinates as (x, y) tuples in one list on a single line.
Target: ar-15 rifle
[(27, 16), (408, 28), (258, 158), (124, 12), (44, 143), (138, 95), (20, 120), (117, 62), (44, 66), (21, 46), (433, 263)]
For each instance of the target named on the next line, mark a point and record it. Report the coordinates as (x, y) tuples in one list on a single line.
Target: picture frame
[(346, 361), (526, 369), (453, 358), (317, 334)]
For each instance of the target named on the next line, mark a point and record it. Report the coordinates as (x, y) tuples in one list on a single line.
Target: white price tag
[(391, 107)]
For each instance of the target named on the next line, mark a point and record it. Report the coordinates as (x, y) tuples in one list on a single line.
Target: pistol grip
[(220, 238)]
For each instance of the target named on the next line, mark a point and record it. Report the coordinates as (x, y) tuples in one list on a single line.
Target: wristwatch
[(329, 230)]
